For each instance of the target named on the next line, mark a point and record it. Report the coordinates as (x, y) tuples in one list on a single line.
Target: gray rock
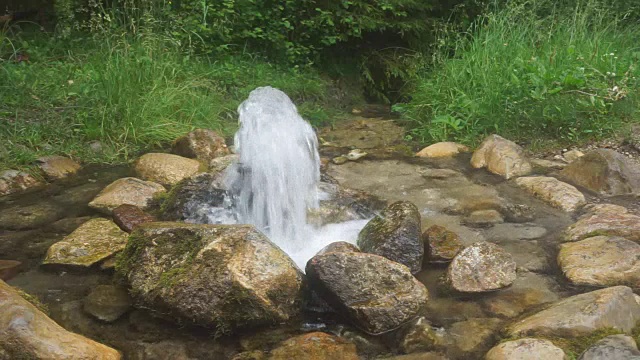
[(14, 181), (107, 302), (395, 234), (481, 267), (526, 349), (614, 347), (376, 294)]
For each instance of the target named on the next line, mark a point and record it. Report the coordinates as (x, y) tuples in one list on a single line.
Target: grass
[(531, 71), (129, 93)]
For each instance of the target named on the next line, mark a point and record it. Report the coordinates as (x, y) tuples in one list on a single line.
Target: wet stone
[(441, 244), (483, 219), (166, 169), (605, 221), (19, 217), (527, 292), (107, 302), (553, 191), (418, 336), (201, 144), (481, 267), (13, 181), (9, 269), (338, 246), (316, 345), (511, 231), (57, 167), (502, 157), (128, 217), (472, 337), (129, 191), (614, 347), (526, 349)]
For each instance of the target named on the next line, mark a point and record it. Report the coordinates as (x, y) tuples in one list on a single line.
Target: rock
[(91, 243), (194, 198), (441, 245), (339, 160), (548, 164), (601, 261), (96, 146), (529, 291), (19, 217), (416, 356), (223, 276), (481, 267), (250, 355), (129, 191), (615, 307), (603, 208), (604, 222), (27, 333), (340, 204), (107, 302), (502, 157), (220, 164), (605, 172), (511, 231), (614, 347), (315, 345), (572, 155), (109, 264), (13, 181), (128, 217), (57, 167), (356, 154), (67, 225), (164, 350), (338, 246), (374, 293), (201, 144), (9, 269), (526, 349), (483, 219), (553, 191), (518, 213), (418, 336), (442, 149), (166, 169), (472, 337), (78, 197), (395, 234)]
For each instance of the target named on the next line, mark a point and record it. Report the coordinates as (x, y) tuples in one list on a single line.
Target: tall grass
[(131, 93), (532, 70)]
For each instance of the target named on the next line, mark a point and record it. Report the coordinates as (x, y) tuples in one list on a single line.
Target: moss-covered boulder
[(374, 293), (395, 234), (220, 276)]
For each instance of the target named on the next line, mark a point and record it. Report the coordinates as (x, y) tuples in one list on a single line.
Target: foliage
[(564, 72)]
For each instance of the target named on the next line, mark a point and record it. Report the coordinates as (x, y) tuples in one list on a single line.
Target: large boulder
[(317, 346), (57, 167), (376, 294), (202, 144), (130, 191), (395, 234), (94, 241), (221, 276), (502, 157), (481, 267), (442, 149), (27, 333), (13, 181), (166, 169), (610, 220), (604, 171), (601, 261), (553, 191), (526, 349), (613, 347), (615, 307)]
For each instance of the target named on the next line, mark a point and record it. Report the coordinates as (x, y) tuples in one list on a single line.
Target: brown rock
[(166, 169), (128, 217), (483, 219), (220, 164), (572, 155), (481, 267), (107, 302), (472, 337), (441, 244), (202, 144), (13, 181), (502, 157), (419, 336), (9, 269), (57, 167), (129, 191), (553, 191), (526, 349), (27, 333), (442, 149), (317, 346)]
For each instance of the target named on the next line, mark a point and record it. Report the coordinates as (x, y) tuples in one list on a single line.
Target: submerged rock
[(128, 217), (9, 269), (471, 337), (553, 191), (374, 293), (20, 217), (601, 261), (57, 167), (605, 220), (419, 336), (483, 219), (481, 267), (526, 349), (502, 157), (107, 302), (222, 276), (614, 347), (529, 291), (395, 234), (615, 307), (130, 191), (442, 149), (13, 181), (92, 242), (27, 333), (441, 244), (315, 345), (166, 169), (202, 144), (604, 171)]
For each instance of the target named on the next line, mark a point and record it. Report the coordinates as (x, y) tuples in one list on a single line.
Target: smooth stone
[(572, 155), (472, 337), (220, 276), (166, 169), (91, 243), (553, 191), (615, 307), (376, 294), (128, 217), (502, 157), (13, 181), (441, 244), (201, 144), (107, 302), (481, 267), (9, 269), (131, 191), (526, 349), (614, 347), (601, 261), (395, 234), (338, 246), (20, 217), (604, 221), (548, 164), (483, 219), (339, 160), (315, 345), (27, 333), (605, 172), (356, 154), (57, 167), (442, 149)]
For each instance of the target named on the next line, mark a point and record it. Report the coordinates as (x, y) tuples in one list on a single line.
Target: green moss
[(127, 258), (33, 300)]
